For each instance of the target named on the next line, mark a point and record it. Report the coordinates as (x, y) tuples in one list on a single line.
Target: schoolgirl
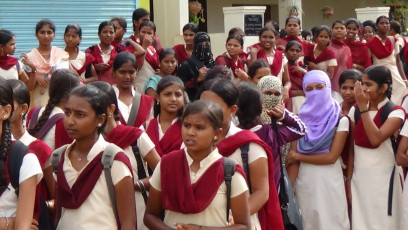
[(46, 58), (16, 207), (168, 64), (135, 108), (138, 17), (359, 51), (137, 146), (78, 60), (297, 70), (263, 201), (251, 102), (150, 64), (275, 58), (342, 53), (347, 81), (82, 190), (257, 70), (385, 52), (199, 168), (318, 56), (38, 147), (319, 184), (184, 51), (46, 123), (376, 180), (104, 53), (368, 33), (401, 159), (11, 67), (292, 28), (164, 128), (232, 59), (121, 44)]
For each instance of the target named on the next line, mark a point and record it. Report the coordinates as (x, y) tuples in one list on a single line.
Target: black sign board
[(252, 24)]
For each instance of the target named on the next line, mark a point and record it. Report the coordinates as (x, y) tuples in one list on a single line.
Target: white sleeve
[(145, 144), (404, 130), (332, 62), (399, 113), (343, 125), (119, 171), (238, 185), (351, 113), (255, 152), (155, 179), (30, 167)]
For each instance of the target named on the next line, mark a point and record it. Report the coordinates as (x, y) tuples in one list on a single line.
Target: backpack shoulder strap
[(56, 157), (48, 125), (34, 118), (229, 171), (17, 153), (135, 109), (141, 173), (244, 155), (387, 109), (18, 67), (107, 160), (356, 114)]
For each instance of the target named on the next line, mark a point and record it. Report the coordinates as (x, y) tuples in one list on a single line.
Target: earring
[(110, 115), (99, 125), (215, 138), (158, 103)]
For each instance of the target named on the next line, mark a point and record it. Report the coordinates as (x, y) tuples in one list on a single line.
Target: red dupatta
[(270, 216), (146, 103), (72, 198), (123, 136), (170, 141), (325, 55), (89, 59), (7, 62), (178, 194), (96, 53), (378, 49), (276, 65), (152, 57), (296, 77), (225, 60), (359, 53), (181, 53)]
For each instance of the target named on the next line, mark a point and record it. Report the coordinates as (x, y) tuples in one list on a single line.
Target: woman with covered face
[(194, 68)]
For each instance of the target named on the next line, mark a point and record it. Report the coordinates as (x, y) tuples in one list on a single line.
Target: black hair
[(61, 83), (237, 37), (396, 26), (352, 74), (270, 29), (274, 24), (381, 75), (5, 36), (148, 24), (339, 22), (292, 43), (282, 33), (323, 28), (162, 85), (306, 33), (218, 71), (224, 88), (190, 26), (138, 14), (110, 94), (353, 21), (292, 17), (121, 20), (234, 30), (379, 19), (44, 22), (96, 99), (314, 31), (211, 110), (249, 105), (123, 58), (369, 23), (21, 93), (75, 27), (165, 52), (254, 66), (103, 24), (6, 98)]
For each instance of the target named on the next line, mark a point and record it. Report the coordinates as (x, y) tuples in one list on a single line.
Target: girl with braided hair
[(45, 123), (16, 207)]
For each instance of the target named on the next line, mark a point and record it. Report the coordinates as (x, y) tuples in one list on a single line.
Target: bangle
[(7, 223), (347, 178), (138, 185), (142, 185), (364, 111)]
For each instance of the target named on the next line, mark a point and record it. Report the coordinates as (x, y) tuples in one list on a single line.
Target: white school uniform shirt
[(123, 108), (49, 138), (13, 72), (214, 214), (96, 212)]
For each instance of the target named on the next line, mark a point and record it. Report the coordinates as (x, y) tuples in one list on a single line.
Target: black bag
[(291, 215)]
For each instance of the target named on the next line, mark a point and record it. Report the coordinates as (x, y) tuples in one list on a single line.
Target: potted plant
[(294, 10), (196, 12), (328, 11)]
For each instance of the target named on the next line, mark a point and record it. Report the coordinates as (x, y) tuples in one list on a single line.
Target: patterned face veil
[(269, 100), (203, 51)]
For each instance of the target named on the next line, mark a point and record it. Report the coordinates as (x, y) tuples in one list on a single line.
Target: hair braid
[(44, 116), (5, 145)]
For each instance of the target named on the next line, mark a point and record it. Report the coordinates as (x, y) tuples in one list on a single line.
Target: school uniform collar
[(232, 130), (213, 156), (116, 89), (97, 148)]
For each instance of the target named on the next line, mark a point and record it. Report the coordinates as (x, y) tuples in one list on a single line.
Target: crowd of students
[(129, 134)]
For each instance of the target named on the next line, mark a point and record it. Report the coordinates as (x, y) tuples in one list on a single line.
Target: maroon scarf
[(378, 49), (178, 194), (270, 216), (89, 59), (181, 53), (72, 198), (276, 65), (296, 77), (96, 53), (123, 136), (171, 139), (146, 103), (359, 53), (152, 59), (325, 55), (6, 62)]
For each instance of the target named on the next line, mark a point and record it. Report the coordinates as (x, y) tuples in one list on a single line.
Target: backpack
[(141, 174), (229, 171), (108, 157), (17, 152), (47, 125)]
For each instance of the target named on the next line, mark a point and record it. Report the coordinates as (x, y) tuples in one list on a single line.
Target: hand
[(402, 159), (201, 74), (254, 51), (312, 65), (147, 41), (26, 61), (42, 81), (34, 225), (242, 75), (297, 69), (361, 96), (278, 111), (101, 67), (280, 47), (186, 226), (291, 158)]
